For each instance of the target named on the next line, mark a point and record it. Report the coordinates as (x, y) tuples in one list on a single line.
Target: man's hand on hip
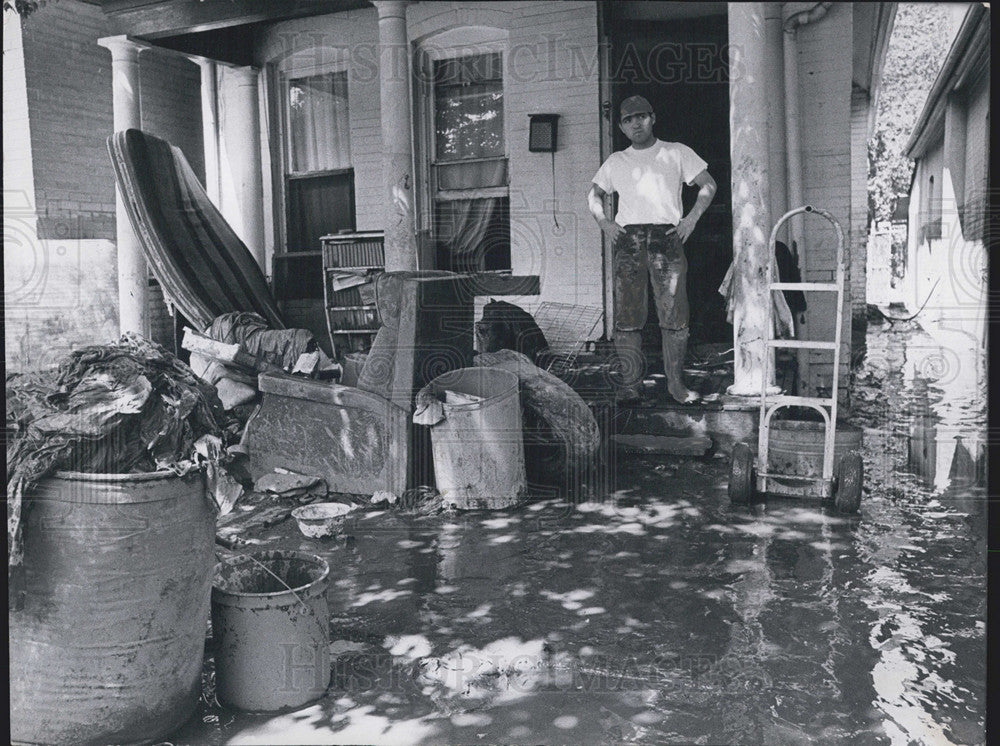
[(685, 227), (706, 193), (611, 229)]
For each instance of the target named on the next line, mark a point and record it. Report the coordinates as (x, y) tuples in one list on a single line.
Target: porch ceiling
[(873, 24), (153, 19), (655, 10)]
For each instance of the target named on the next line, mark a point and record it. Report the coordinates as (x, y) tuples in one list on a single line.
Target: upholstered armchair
[(360, 439)]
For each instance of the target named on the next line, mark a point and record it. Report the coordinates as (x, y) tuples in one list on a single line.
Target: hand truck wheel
[(850, 475), (742, 477)]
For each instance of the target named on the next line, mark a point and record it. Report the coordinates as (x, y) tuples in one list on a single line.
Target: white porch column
[(775, 93), (210, 126), (241, 137), (397, 146), (748, 122), (133, 282)]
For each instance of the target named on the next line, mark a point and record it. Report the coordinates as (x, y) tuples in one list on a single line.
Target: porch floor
[(662, 613)]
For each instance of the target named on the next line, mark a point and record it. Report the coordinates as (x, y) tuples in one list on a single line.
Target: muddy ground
[(668, 615)]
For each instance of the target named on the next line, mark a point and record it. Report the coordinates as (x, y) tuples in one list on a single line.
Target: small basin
[(321, 520)]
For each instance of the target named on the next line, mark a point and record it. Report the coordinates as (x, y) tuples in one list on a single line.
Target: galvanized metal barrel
[(118, 574), (796, 446)]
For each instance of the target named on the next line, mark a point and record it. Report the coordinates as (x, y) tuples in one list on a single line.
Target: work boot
[(674, 349), (631, 365)]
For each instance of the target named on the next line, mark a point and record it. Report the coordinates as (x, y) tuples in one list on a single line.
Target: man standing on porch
[(647, 238)]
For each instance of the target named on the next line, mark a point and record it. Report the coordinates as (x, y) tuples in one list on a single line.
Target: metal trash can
[(478, 448)]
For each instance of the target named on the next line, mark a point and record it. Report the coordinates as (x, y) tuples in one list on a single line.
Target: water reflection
[(929, 391), (665, 614), (942, 456), (748, 645), (926, 543), (926, 629)]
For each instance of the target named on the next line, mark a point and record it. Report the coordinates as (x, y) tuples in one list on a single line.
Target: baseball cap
[(635, 105)]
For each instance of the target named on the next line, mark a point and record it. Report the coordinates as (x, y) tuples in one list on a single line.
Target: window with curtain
[(318, 128), (318, 178), (471, 204)]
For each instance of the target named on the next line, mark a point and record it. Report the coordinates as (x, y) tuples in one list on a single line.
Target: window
[(469, 193), (315, 196), (932, 216), (318, 130)]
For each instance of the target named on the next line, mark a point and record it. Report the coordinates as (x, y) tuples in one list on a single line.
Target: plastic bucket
[(270, 625), (478, 447), (109, 645), (796, 446)]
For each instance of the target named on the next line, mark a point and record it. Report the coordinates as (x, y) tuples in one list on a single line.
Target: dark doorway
[(680, 66)]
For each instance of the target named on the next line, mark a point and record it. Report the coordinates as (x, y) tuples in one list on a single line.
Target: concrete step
[(725, 422), (692, 445)]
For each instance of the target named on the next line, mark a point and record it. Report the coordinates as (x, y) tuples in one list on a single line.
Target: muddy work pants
[(656, 253)]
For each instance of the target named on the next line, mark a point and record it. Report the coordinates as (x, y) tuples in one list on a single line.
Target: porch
[(370, 154)]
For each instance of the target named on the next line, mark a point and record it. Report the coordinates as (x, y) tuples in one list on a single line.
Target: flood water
[(667, 615)]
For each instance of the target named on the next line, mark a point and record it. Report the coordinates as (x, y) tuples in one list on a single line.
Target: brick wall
[(68, 79), (161, 323), (18, 178), (825, 106), (551, 68), (59, 275), (62, 275), (857, 254), (565, 83), (170, 99), (859, 204), (567, 255), (170, 103)]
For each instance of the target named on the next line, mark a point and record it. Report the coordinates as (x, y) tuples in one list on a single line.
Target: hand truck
[(748, 476)]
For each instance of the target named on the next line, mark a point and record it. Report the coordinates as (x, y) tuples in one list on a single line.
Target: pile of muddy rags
[(121, 408)]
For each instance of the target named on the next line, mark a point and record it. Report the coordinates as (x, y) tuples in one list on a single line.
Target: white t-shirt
[(648, 181)]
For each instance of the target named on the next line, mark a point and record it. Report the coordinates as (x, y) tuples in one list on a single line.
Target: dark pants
[(656, 252)]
